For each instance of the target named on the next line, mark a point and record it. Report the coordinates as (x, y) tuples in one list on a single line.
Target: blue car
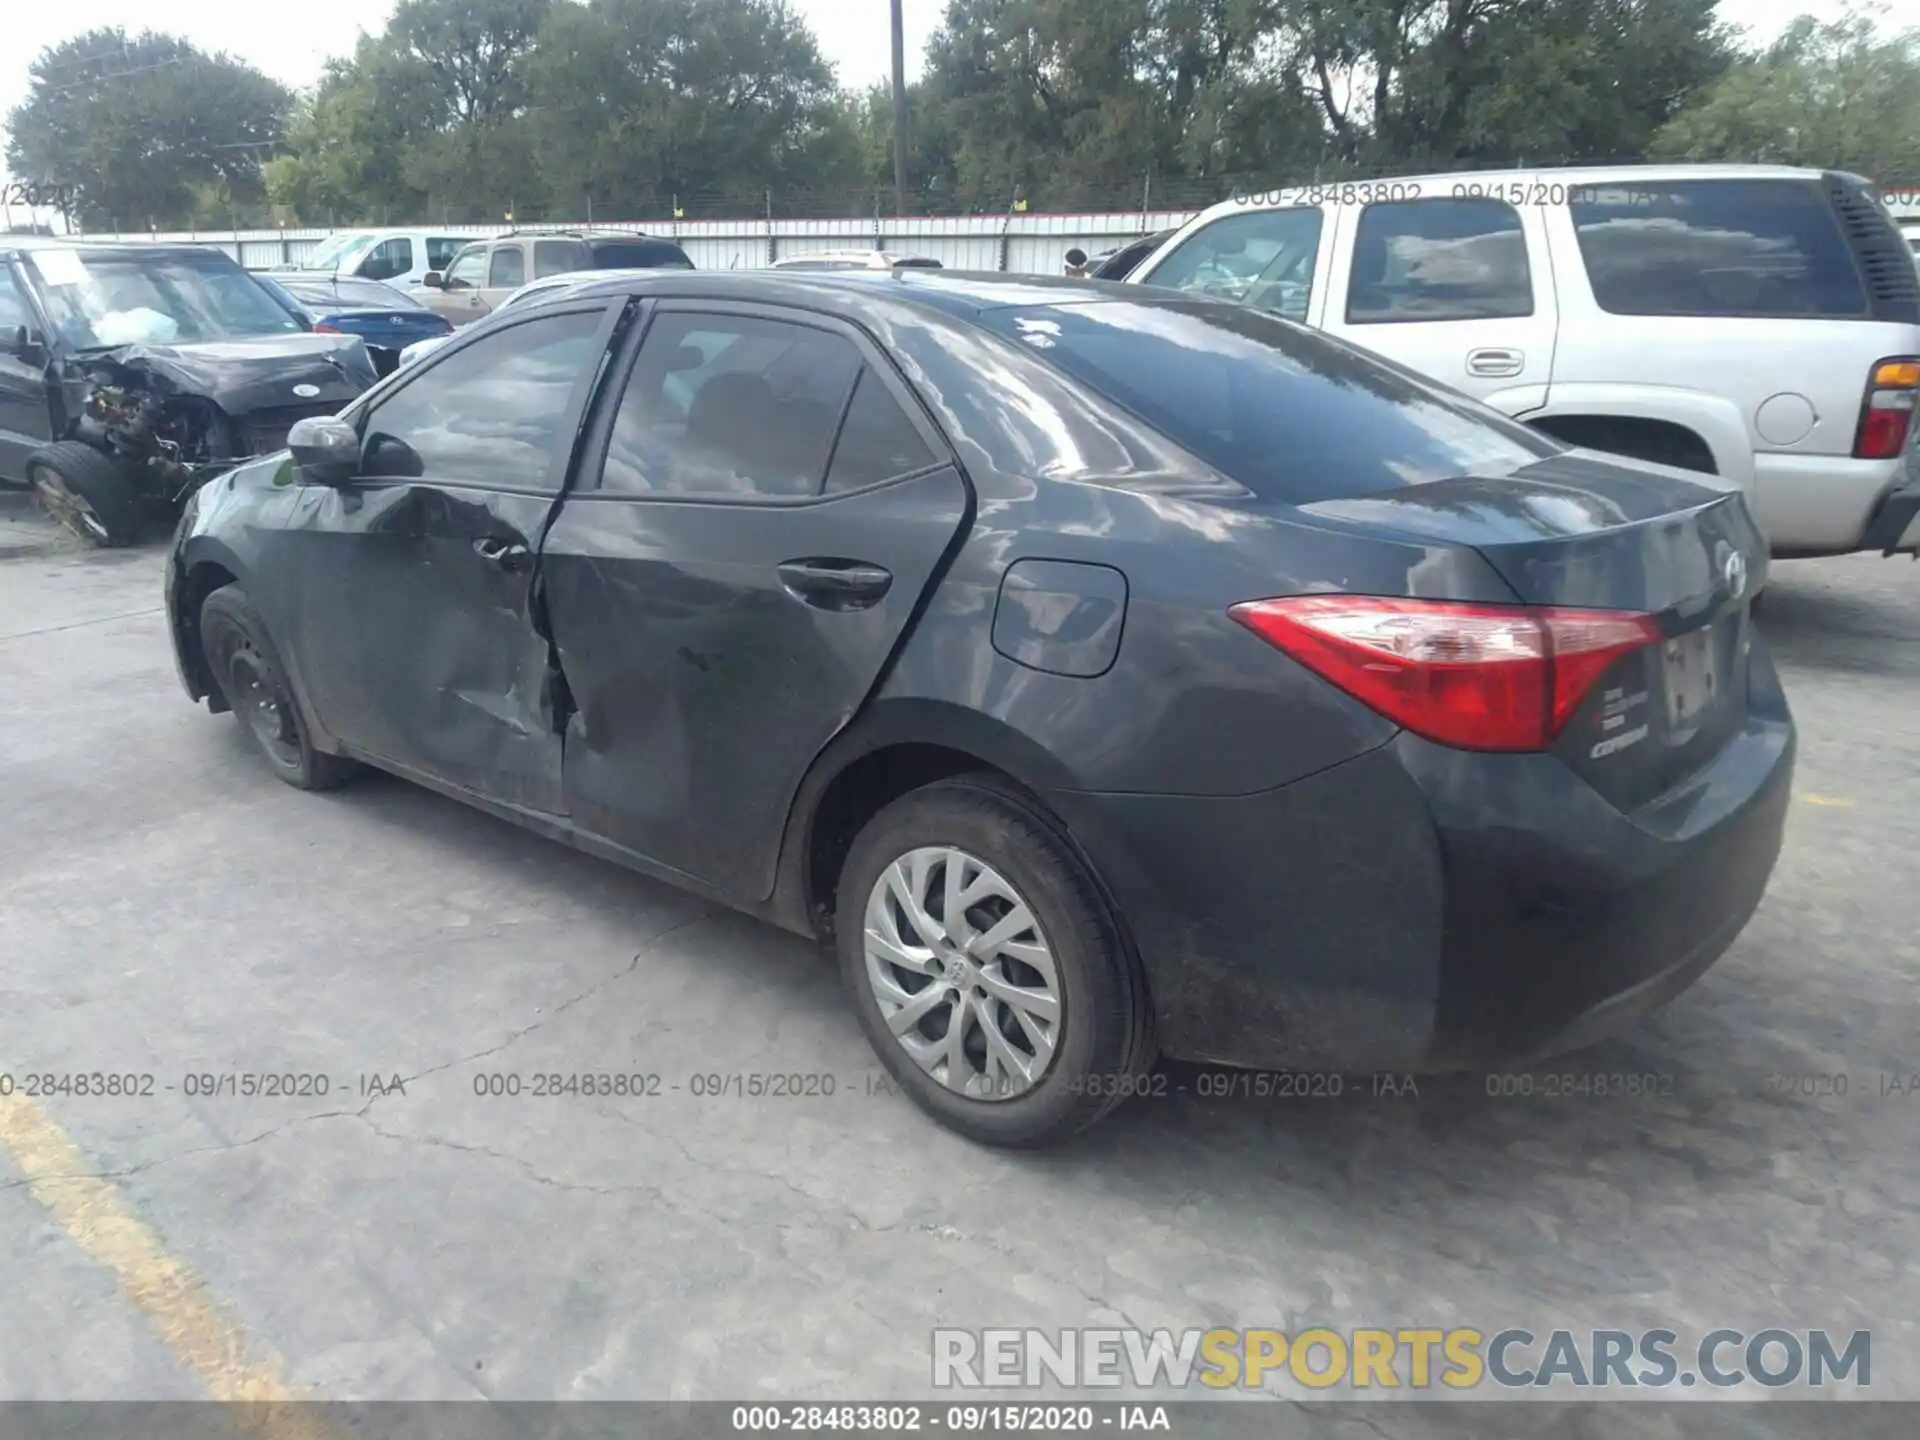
[(386, 320)]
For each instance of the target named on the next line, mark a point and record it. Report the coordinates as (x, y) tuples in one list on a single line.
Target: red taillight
[(1887, 414), (327, 327), (1477, 677)]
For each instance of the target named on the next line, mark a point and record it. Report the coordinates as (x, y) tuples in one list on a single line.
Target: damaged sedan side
[(132, 374)]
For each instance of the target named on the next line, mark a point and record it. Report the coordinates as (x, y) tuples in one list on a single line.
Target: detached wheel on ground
[(95, 496), (985, 966), (248, 671)]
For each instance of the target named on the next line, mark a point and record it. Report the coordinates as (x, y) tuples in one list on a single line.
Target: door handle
[(1496, 361), (834, 584), (509, 555)]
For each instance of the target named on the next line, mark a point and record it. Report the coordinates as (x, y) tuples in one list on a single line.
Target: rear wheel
[(248, 671), (95, 496), (986, 969)]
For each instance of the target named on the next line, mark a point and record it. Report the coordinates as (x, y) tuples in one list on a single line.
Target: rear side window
[(1264, 258), (1421, 260), (730, 405), (507, 269), (556, 257), (1290, 414), (877, 440), (638, 255), (441, 249), (1715, 248)]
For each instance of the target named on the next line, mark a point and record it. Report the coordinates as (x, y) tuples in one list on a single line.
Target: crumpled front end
[(184, 414)]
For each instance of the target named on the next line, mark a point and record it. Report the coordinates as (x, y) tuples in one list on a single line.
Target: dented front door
[(416, 635)]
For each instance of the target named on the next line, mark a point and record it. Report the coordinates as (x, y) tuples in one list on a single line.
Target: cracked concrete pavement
[(168, 909)]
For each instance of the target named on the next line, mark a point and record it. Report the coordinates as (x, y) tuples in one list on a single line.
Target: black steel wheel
[(247, 669)]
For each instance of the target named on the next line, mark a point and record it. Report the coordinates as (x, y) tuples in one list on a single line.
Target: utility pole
[(899, 112)]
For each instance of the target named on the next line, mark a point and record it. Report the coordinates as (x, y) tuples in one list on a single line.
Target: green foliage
[(470, 110), (147, 128), (1837, 94)]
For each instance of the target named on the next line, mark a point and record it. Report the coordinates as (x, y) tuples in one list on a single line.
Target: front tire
[(247, 669), (986, 968), (95, 496)]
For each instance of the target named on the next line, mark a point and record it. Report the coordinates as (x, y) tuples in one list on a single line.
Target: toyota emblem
[(306, 392), (1733, 571)]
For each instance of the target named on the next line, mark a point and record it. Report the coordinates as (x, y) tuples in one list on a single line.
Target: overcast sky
[(291, 46)]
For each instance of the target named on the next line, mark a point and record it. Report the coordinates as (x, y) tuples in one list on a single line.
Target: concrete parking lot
[(167, 909)]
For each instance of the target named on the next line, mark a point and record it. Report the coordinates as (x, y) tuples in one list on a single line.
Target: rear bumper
[(1420, 909), (1826, 504), (1895, 526)]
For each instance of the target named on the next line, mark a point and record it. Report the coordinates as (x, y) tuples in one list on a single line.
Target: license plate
[(1693, 679)]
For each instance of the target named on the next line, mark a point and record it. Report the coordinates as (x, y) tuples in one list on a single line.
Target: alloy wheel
[(964, 976)]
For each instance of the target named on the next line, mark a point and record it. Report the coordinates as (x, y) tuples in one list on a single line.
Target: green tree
[(148, 130), (1840, 94), (348, 142), (636, 102)]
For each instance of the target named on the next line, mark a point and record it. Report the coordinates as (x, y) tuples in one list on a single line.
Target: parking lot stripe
[(177, 1302)]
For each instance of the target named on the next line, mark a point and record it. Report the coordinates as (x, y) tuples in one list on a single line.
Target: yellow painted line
[(175, 1301), (1836, 801)]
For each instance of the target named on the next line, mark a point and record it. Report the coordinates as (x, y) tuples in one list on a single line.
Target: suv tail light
[(1476, 677), (1887, 414), (326, 327)]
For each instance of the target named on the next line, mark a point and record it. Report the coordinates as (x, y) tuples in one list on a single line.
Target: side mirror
[(326, 448), (432, 280), (21, 345)]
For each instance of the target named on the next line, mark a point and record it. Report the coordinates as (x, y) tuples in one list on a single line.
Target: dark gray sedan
[(1105, 674)]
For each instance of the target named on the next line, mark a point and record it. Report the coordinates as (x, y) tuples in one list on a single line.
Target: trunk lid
[(1581, 531)]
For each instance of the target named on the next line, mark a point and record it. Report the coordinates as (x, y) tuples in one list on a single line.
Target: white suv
[(1758, 322)]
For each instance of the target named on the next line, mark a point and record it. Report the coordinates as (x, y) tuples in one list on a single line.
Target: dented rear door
[(731, 582)]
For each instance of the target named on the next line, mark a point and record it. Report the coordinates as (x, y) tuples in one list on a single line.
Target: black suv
[(132, 374)]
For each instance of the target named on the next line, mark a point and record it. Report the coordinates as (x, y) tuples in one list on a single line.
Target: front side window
[(730, 405), (507, 270), (391, 257), (441, 249), (1264, 258), (490, 414), (1417, 260), (102, 300), (468, 269), (1715, 247)]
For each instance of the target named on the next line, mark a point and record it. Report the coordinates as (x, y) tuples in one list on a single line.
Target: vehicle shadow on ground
[(1825, 628), (1393, 1144)]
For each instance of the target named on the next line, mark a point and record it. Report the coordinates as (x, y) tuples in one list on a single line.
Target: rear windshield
[(1288, 413), (638, 255), (364, 293), (1716, 248)]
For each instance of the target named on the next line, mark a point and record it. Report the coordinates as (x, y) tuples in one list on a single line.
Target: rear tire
[(95, 496), (916, 973), (246, 667)]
